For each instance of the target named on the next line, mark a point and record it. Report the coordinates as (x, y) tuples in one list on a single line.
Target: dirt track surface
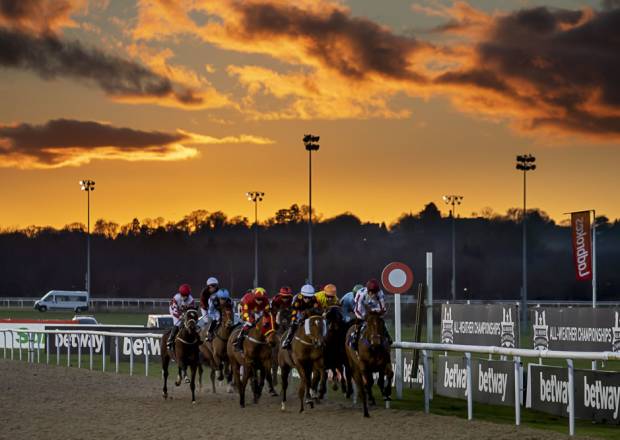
[(49, 402)]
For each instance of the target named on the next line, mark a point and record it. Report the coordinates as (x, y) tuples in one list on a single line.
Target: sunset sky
[(172, 106)]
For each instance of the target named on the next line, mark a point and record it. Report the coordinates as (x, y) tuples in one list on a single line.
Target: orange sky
[(218, 99)]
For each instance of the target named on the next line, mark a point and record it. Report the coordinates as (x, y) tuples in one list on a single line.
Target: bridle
[(187, 321)]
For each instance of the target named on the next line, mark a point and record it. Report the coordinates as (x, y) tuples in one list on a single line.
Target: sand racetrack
[(50, 402)]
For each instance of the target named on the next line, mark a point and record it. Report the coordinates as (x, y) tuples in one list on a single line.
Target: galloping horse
[(255, 359), (306, 356), (335, 356), (282, 323), (372, 356), (213, 353), (185, 352)]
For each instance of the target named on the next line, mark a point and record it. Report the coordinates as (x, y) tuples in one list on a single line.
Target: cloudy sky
[(172, 105)]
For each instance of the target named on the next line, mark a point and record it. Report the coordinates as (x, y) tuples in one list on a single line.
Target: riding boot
[(238, 344), (173, 335), (211, 330), (289, 336)]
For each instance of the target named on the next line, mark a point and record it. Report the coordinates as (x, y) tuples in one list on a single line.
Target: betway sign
[(138, 345), (597, 393), (492, 381)]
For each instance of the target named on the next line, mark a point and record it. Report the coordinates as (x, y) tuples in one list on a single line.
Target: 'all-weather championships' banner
[(576, 329), (597, 393), (475, 324), (582, 245)]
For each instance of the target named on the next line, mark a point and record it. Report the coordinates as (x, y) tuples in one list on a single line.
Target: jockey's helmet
[(259, 292), (212, 281), (373, 286), (330, 290), (286, 290), (185, 289), (307, 290), (356, 288)]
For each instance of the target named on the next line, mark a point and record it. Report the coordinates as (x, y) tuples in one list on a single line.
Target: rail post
[(38, 342), (30, 349), (571, 397), (79, 348), (92, 340), (130, 356), (470, 393), (427, 390), (517, 364), (4, 344), (146, 356), (47, 348), (116, 352), (103, 354), (68, 351), (57, 348)]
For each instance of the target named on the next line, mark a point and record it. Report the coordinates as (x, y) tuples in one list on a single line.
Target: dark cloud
[(51, 57), (36, 15), (610, 4), (67, 133), (565, 62), (355, 47)]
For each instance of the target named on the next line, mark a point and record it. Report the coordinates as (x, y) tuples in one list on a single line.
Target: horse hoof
[(273, 393), (165, 396), (283, 407), (366, 415), (187, 380), (193, 402), (387, 404)]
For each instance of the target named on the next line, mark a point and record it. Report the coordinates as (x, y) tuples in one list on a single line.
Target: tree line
[(151, 257)]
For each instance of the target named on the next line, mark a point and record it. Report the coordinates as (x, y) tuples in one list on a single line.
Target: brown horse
[(254, 362), (213, 353), (306, 356), (185, 352), (335, 357), (372, 356), (281, 324)]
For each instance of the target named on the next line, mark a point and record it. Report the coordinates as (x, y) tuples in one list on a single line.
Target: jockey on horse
[(254, 305), (327, 297), (282, 302), (210, 305), (181, 301), (347, 302), (304, 302), (368, 299)]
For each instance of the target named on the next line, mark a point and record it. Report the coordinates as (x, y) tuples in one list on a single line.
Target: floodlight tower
[(255, 197), (453, 200), (88, 186), (525, 163), (311, 144)]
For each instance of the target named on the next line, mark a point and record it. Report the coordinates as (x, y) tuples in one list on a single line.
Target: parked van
[(63, 300)]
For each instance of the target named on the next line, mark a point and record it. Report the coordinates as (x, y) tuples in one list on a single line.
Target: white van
[(63, 300)]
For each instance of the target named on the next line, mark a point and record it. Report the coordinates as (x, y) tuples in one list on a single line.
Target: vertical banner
[(582, 245)]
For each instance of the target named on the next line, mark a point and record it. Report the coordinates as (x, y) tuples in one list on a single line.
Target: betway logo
[(553, 390), (80, 341), (139, 346), (582, 253), (455, 377), (599, 396), (493, 383)]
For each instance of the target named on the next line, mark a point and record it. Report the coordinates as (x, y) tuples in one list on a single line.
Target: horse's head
[(334, 319), (228, 316), (267, 328), (374, 329), (315, 330), (190, 319)]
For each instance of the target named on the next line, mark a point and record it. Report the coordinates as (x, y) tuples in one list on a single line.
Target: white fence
[(35, 344)]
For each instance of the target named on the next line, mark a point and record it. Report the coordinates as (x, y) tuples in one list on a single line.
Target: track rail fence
[(33, 349)]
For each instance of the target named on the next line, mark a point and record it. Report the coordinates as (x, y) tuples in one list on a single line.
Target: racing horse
[(185, 352), (213, 353), (335, 356), (282, 323), (254, 362), (306, 356), (372, 356)]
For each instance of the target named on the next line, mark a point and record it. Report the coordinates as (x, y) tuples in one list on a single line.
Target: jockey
[(282, 301), (327, 297), (369, 298), (348, 303), (302, 304), (213, 286), (181, 301), (214, 313), (253, 306)]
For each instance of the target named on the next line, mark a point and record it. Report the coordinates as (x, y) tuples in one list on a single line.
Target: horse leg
[(360, 383), (370, 381), (323, 384), (199, 376), (212, 375), (177, 382), (309, 385), (242, 385), (301, 391), (285, 371), (271, 382), (258, 381), (229, 378), (165, 361), (387, 394), (192, 383)]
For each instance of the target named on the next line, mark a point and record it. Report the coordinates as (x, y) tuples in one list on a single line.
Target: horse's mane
[(334, 313)]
